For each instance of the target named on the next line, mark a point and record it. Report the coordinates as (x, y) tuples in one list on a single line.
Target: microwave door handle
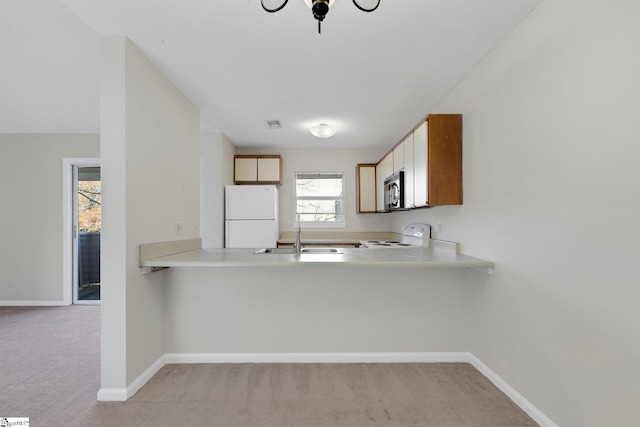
[(394, 195), (392, 198)]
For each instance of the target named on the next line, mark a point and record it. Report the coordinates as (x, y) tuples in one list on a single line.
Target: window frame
[(319, 224)]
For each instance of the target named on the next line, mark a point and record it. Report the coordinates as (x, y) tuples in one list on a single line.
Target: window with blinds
[(319, 199)]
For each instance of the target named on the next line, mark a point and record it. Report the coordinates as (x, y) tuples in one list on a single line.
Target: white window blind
[(319, 199)]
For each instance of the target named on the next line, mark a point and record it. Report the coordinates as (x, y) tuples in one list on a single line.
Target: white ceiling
[(372, 75)]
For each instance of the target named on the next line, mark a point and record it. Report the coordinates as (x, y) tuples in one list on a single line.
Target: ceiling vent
[(274, 124)]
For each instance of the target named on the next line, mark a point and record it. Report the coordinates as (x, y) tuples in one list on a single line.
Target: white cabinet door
[(398, 158), (268, 169), (386, 169), (366, 188), (383, 169), (408, 172), (246, 169), (420, 165), (387, 163), (380, 176)]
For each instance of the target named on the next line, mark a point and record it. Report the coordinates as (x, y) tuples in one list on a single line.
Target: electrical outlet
[(179, 228), (439, 226), (196, 229)]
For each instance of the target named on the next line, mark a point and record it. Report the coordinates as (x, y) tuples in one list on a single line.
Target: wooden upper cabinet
[(437, 161), (366, 188), (257, 169), (431, 156)]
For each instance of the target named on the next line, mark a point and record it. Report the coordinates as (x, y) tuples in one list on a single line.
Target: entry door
[(87, 203)]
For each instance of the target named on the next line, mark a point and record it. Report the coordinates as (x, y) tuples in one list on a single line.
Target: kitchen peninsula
[(441, 254), (232, 304)]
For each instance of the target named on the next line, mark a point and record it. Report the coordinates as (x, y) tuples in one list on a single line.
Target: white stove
[(413, 236)]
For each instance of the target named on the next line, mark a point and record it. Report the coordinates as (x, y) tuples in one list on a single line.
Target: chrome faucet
[(297, 244)]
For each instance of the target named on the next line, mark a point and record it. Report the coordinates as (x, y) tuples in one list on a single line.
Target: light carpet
[(49, 372)]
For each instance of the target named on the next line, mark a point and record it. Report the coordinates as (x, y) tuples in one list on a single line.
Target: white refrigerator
[(251, 216)]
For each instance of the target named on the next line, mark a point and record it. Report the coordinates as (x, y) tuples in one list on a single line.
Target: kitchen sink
[(303, 251), (276, 251), (321, 251)]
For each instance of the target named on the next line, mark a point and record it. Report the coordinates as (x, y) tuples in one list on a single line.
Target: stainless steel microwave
[(394, 191)]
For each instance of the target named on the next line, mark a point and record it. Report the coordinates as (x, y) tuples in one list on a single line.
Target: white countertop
[(351, 257)]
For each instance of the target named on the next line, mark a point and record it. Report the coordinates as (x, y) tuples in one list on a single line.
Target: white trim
[(67, 227), (146, 376), (512, 394), (316, 357), (113, 394), (88, 302), (122, 394), (32, 303)]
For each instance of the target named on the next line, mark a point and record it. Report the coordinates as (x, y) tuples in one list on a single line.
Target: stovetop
[(384, 244), (413, 236)]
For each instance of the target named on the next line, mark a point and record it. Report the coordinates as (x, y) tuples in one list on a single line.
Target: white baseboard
[(146, 376), (436, 357), (317, 357), (516, 397), (32, 303), (112, 394), (122, 394)]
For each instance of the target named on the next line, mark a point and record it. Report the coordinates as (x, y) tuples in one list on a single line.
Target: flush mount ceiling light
[(319, 8), (323, 130)]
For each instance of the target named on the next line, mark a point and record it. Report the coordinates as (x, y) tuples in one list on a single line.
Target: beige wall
[(551, 181), (31, 213), (326, 160), (150, 146)]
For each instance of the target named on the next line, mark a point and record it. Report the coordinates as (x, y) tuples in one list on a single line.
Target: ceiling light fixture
[(319, 8), (323, 130)]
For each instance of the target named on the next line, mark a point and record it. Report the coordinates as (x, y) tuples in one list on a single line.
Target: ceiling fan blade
[(364, 9), (278, 8)]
